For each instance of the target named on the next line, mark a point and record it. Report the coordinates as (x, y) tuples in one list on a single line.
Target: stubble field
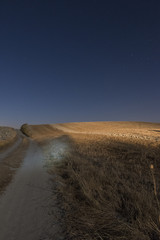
[(111, 181), (108, 179)]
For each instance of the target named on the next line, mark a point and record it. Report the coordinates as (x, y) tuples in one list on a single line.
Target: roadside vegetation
[(108, 182), (7, 137), (110, 188), (40, 133), (26, 130), (11, 163)]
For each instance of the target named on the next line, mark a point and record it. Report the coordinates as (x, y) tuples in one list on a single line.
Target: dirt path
[(26, 205)]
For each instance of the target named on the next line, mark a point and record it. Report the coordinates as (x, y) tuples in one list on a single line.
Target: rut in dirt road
[(27, 209)]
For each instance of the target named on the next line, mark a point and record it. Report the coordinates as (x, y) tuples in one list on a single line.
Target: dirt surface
[(27, 208)]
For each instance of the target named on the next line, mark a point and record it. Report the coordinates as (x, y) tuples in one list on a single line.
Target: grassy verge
[(9, 165), (110, 189), (26, 130), (9, 141), (40, 133)]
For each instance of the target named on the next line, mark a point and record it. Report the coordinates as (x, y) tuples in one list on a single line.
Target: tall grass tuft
[(107, 190)]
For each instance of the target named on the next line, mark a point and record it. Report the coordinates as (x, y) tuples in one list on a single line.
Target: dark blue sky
[(79, 60)]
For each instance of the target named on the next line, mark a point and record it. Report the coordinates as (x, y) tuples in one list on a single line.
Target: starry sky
[(79, 60)]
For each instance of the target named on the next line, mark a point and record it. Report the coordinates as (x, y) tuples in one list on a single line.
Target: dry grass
[(41, 133), (9, 140), (134, 130), (26, 130), (103, 127), (109, 183), (109, 189), (10, 164)]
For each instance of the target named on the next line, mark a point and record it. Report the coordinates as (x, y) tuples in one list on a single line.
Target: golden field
[(143, 130), (109, 179)]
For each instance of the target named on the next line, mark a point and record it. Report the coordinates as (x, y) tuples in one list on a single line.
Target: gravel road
[(27, 210)]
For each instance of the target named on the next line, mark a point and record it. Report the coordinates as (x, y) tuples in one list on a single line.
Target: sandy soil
[(27, 208)]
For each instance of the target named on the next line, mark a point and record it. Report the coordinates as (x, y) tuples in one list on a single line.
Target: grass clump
[(108, 190), (8, 136), (26, 130), (10, 164)]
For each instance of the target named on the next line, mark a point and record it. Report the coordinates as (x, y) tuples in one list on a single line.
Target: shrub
[(26, 130)]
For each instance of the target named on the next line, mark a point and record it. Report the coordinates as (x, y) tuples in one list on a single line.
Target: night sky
[(79, 60)]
